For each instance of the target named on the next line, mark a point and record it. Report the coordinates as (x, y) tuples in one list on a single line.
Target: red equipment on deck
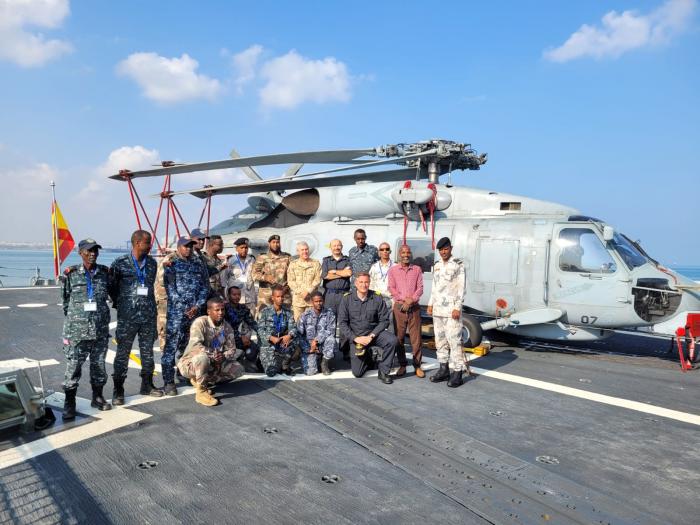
[(688, 334)]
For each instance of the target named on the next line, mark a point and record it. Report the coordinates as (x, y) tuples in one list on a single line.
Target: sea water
[(17, 267)]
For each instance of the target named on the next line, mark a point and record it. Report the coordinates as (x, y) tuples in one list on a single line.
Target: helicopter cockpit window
[(629, 253), (580, 250), (422, 251)]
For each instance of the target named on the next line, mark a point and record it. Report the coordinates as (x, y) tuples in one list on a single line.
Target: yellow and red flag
[(63, 242)]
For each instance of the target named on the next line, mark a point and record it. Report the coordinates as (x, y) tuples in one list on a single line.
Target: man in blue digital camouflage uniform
[(86, 327), (131, 289), (187, 285), (316, 328), (277, 334)]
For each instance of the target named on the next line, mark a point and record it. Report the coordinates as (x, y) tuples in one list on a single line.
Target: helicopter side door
[(585, 280)]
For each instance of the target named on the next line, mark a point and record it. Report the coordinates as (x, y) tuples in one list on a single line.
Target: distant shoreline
[(38, 247)]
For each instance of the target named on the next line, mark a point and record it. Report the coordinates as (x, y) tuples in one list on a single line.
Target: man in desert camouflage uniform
[(85, 289), (210, 355), (269, 269), (162, 298), (303, 277), (445, 305), (215, 266)]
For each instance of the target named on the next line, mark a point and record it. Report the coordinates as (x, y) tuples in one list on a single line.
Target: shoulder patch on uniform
[(458, 261)]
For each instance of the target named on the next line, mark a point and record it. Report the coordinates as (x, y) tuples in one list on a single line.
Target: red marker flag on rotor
[(63, 242)]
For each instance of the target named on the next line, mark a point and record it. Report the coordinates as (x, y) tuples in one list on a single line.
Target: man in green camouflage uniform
[(269, 269), (277, 335), (445, 305), (131, 289), (85, 291), (210, 355)]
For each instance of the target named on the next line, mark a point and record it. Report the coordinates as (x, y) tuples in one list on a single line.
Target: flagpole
[(54, 232)]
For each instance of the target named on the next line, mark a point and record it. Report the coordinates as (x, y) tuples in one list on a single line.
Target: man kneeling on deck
[(210, 355), (316, 328), (363, 319)]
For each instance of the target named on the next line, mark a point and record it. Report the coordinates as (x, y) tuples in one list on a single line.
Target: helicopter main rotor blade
[(295, 184), (293, 170), (250, 172), (309, 157)]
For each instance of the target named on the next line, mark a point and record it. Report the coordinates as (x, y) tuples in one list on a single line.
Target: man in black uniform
[(336, 271), (363, 319)]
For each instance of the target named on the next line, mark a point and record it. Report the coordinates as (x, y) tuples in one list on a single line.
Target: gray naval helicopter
[(535, 269)]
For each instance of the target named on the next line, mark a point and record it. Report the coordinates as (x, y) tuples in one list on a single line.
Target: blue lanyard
[(381, 272), (243, 268), (140, 272), (88, 281), (280, 321), (218, 340)]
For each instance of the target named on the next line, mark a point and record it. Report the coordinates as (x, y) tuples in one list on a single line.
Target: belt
[(263, 285)]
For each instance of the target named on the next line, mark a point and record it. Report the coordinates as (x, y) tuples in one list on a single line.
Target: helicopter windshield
[(632, 257)]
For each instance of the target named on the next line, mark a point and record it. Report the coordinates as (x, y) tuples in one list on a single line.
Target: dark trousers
[(77, 352), (332, 300), (386, 343), (408, 322), (127, 330)]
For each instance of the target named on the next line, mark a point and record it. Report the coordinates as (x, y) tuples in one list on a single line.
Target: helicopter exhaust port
[(654, 299)]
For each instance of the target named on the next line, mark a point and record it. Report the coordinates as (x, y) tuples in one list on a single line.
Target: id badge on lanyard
[(90, 306), (142, 290)]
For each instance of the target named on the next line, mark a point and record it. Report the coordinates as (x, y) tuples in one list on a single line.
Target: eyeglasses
[(385, 250)]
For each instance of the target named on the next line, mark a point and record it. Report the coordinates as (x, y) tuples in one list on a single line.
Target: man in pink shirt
[(406, 287)]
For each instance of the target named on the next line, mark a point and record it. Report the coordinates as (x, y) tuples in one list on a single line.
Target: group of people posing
[(217, 318)]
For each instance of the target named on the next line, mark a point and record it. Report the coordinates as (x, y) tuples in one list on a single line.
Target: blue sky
[(591, 104)]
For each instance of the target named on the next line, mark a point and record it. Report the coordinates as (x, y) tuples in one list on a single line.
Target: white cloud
[(168, 80), (23, 47), (292, 79), (626, 31), (245, 64)]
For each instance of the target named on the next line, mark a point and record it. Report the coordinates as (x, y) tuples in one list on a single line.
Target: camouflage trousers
[(77, 352), (298, 310), (177, 334), (265, 299), (204, 371), (310, 361), (161, 321), (127, 330), (271, 357), (448, 342)]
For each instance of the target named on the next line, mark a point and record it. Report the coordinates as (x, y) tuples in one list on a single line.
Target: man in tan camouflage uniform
[(210, 355), (445, 305), (303, 277), (215, 246), (162, 297), (269, 269)]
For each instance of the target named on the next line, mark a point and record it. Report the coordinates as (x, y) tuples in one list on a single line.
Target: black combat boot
[(385, 378), (148, 388), (118, 393), (455, 379), (287, 367), (170, 389), (442, 374), (69, 404), (99, 402), (326, 366)]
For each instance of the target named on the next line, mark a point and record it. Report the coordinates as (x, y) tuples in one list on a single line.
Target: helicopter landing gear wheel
[(471, 331)]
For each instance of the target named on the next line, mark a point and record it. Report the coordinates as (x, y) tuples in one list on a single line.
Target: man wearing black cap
[(187, 285), (240, 273), (269, 269), (445, 305), (85, 289)]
